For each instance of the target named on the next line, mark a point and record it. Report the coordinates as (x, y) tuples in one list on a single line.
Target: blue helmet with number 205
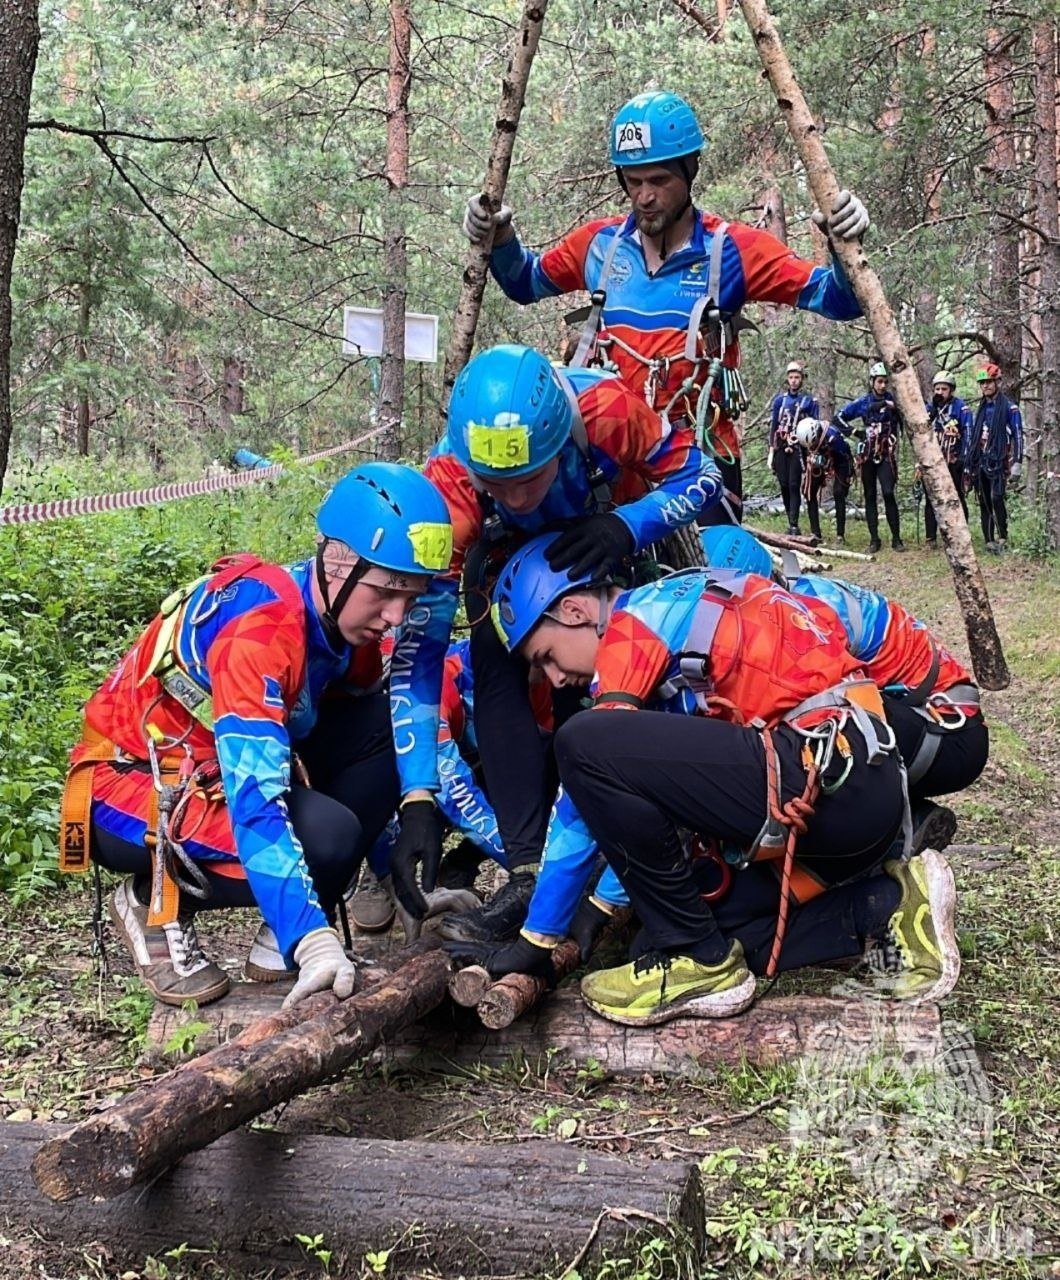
[(509, 414), (653, 128), (391, 516)]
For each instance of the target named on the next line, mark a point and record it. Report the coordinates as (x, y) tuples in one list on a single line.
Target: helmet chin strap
[(333, 608)]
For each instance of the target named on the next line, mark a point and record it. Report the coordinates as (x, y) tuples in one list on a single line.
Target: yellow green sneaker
[(658, 987), (922, 931)]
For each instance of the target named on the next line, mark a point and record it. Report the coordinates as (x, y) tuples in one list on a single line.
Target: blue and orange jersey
[(786, 412), (896, 650), (650, 312), (257, 646), (659, 481), (764, 652)]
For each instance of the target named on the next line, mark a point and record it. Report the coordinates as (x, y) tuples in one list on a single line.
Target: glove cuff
[(608, 908), (547, 941), (317, 940)]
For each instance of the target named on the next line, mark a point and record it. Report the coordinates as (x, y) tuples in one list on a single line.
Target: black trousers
[(517, 760), (931, 524), (883, 474), (961, 757), (350, 760), (840, 490), (993, 511), (636, 777), (787, 467), (724, 513)]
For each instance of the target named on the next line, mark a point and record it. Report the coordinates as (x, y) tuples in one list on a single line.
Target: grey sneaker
[(265, 963), (371, 908), (168, 957)]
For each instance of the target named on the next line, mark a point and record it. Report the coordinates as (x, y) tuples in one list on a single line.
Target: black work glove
[(501, 958), (598, 545), (588, 923), (419, 840)]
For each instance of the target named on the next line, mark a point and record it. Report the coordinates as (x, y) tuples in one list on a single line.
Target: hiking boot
[(934, 827), (874, 546), (921, 932), (897, 544), (459, 869), (793, 531), (658, 987), (840, 541), (931, 544), (168, 957), (265, 963), (501, 917), (370, 907), (993, 548)]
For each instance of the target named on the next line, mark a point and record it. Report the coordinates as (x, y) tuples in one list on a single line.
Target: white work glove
[(849, 219), (322, 963), (478, 222), (438, 901), (1015, 471)]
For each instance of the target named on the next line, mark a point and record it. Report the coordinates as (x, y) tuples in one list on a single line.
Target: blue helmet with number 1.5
[(509, 414)]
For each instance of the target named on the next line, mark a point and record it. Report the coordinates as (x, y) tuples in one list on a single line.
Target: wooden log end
[(508, 998), (468, 986)]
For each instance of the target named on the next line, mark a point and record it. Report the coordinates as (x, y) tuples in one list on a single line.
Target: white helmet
[(942, 378), (808, 432), (796, 366)]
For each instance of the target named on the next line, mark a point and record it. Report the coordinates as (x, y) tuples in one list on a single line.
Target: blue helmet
[(391, 516), (527, 587), (509, 413), (653, 128), (727, 546)]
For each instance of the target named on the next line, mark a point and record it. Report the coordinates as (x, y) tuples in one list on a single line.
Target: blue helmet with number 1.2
[(509, 414)]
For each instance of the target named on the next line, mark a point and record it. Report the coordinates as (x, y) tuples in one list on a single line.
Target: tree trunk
[(479, 1210), (19, 37), (988, 660), (232, 405), (472, 287), (1000, 306), (395, 252), (153, 1127), (927, 298), (1048, 219), (84, 409)]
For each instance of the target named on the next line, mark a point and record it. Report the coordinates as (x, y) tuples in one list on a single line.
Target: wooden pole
[(988, 660), (153, 1127), (468, 986), (513, 93)]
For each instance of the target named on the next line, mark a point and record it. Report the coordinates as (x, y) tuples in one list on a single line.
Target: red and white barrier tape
[(61, 509)]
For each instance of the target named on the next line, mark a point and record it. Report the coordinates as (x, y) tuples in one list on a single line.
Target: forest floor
[(965, 1180)]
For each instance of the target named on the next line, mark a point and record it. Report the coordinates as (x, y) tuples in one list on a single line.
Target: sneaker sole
[(942, 898), (721, 1004), (257, 973), (166, 997), (371, 926)]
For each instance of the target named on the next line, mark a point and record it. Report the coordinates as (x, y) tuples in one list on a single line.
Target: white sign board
[(362, 334)]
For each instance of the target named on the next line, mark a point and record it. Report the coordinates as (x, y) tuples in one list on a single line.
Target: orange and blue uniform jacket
[(650, 312), (770, 651), (659, 480), (263, 656)]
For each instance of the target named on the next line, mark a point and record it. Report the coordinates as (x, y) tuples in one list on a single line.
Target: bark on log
[(472, 287), (775, 1030), (493, 1210), (512, 996), (155, 1126), (988, 660)]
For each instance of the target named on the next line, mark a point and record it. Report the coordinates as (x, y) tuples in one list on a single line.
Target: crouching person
[(185, 781), (779, 754)]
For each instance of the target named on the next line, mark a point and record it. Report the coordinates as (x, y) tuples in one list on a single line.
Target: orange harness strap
[(75, 810)]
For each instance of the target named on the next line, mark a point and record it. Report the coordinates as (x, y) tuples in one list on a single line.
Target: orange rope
[(795, 815)]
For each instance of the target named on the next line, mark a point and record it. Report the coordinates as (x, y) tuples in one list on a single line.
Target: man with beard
[(668, 280)]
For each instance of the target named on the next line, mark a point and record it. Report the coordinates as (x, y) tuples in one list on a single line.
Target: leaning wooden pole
[(513, 94), (151, 1129), (988, 660)]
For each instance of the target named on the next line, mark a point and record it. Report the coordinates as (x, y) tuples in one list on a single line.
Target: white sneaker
[(168, 957), (264, 962)]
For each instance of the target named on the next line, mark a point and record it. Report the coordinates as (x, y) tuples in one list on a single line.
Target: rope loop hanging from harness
[(795, 817)]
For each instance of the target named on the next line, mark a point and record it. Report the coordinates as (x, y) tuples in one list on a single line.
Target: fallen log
[(512, 996), (153, 1127), (777, 1029), (511, 1209), (468, 986), (805, 546)]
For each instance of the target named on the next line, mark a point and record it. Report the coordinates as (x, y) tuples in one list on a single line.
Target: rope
[(795, 816), (65, 508)]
